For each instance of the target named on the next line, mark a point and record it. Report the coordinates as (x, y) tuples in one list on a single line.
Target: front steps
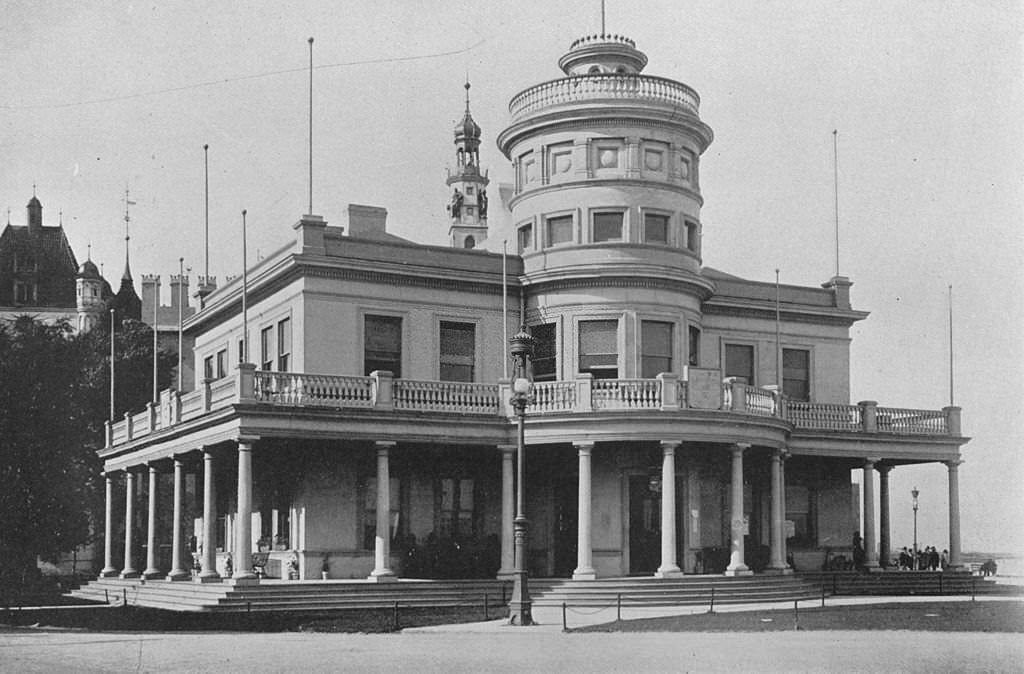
[(902, 583)]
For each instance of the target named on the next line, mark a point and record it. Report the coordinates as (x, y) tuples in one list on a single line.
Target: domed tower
[(89, 292), (467, 204), (606, 207)]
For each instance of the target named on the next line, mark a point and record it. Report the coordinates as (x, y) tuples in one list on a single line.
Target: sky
[(927, 98)]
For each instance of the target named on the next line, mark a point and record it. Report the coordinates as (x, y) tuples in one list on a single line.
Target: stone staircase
[(902, 583)]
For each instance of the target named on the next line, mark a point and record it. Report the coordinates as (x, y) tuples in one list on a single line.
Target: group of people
[(928, 558)]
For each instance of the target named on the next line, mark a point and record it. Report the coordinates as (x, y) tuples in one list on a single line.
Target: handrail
[(824, 416), (446, 396), (604, 86), (912, 422), (626, 394)]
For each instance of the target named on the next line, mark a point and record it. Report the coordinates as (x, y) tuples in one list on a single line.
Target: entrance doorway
[(644, 526)]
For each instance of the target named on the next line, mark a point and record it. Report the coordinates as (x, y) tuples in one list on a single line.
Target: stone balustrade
[(381, 391), (605, 87)]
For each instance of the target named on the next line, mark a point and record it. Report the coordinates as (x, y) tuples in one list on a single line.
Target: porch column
[(737, 562), (209, 555), (507, 509), (584, 520), (178, 572), (243, 522), (151, 570), (884, 545), (129, 523), (777, 563), (108, 531), (382, 541), (870, 541), (953, 471), (669, 568)]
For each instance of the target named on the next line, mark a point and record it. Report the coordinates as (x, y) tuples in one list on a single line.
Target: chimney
[(150, 295), (363, 220), (179, 292)]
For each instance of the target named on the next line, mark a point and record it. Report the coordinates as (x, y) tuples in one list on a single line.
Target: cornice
[(716, 306), (581, 279), (604, 181)]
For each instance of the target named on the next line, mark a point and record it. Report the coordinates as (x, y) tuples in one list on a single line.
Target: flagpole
[(111, 366), (206, 181), (835, 170), (310, 211), (181, 315), (156, 305), (504, 305), (245, 309), (951, 345), (778, 331)]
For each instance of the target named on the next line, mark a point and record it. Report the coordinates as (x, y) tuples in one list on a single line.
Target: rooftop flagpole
[(206, 186), (245, 289), (111, 366), (778, 331), (310, 211), (181, 322), (951, 403), (504, 305), (156, 305), (835, 170)]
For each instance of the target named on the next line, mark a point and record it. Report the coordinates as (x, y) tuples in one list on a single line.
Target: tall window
[(458, 351), (739, 361), (24, 293), (370, 510), (796, 374), (544, 352), (694, 345), (599, 354), (222, 363), (607, 227), (655, 228), (382, 344), (284, 344), (525, 238), (691, 236), (655, 348), (208, 368), (267, 348), (457, 508), (559, 230)]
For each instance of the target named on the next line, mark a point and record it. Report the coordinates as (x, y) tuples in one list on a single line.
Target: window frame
[(807, 351), (470, 361), (693, 337), (751, 381), (553, 374), (530, 243), (595, 213), (390, 315), (668, 227), (601, 372), (267, 348), (549, 219), (645, 356), (284, 355)]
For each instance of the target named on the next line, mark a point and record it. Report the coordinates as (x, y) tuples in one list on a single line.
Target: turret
[(35, 215), (467, 203), (89, 296)]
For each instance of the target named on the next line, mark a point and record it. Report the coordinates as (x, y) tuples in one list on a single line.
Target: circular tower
[(606, 209), (89, 294)]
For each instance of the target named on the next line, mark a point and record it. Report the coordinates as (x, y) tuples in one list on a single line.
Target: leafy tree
[(54, 388)]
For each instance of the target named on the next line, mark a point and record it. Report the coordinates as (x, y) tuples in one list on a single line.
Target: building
[(681, 419)]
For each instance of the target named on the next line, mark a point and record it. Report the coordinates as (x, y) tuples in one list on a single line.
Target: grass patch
[(982, 616)]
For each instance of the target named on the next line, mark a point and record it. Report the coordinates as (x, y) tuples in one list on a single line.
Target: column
[(208, 559), (151, 570), (382, 541), (584, 520), (243, 521), (108, 531), (129, 523), (953, 468), (669, 568), (870, 541), (884, 545), (507, 509), (737, 562), (178, 571), (777, 563)]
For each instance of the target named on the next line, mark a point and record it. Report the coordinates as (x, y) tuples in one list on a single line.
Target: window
[(544, 350), (469, 189), (241, 351), (382, 344), (694, 346), (796, 374), (267, 348), (607, 227), (24, 293), (655, 348), (655, 228), (284, 344), (469, 242), (222, 363), (599, 348), (525, 238), (457, 508), (691, 236), (208, 368), (370, 510), (458, 351), (799, 502), (559, 230), (739, 362)]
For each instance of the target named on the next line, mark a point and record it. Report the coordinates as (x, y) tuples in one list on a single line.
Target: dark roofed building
[(37, 266)]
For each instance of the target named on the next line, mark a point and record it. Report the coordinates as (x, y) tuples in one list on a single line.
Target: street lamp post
[(521, 349), (914, 493)]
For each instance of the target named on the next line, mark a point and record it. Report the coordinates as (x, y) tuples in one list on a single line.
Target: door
[(644, 526)]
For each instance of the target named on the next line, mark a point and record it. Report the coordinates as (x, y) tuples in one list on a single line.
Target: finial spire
[(467, 85), (127, 267), (60, 218)]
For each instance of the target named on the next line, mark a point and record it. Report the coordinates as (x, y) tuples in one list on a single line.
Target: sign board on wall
[(704, 389)]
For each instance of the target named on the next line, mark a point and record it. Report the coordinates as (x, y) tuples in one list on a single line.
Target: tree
[(54, 388)]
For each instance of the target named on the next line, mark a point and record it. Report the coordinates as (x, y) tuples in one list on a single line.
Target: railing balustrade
[(824, 416), (626, 394), (583, 395), (446, 396), (911, 422), (553, 396), (596, 87)]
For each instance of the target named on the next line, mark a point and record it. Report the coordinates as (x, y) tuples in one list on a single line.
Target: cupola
[(602, 55)]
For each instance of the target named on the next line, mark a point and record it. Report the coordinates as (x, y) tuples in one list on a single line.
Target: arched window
[(469, 242), (594, 70)]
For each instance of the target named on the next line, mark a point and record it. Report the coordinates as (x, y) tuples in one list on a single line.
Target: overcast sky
[(927, 97)]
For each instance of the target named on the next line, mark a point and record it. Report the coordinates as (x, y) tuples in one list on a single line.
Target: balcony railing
[(666, 393), (604, 87)]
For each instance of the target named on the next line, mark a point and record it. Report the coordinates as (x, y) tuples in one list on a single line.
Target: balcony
[(605, 88), (665, 394)]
